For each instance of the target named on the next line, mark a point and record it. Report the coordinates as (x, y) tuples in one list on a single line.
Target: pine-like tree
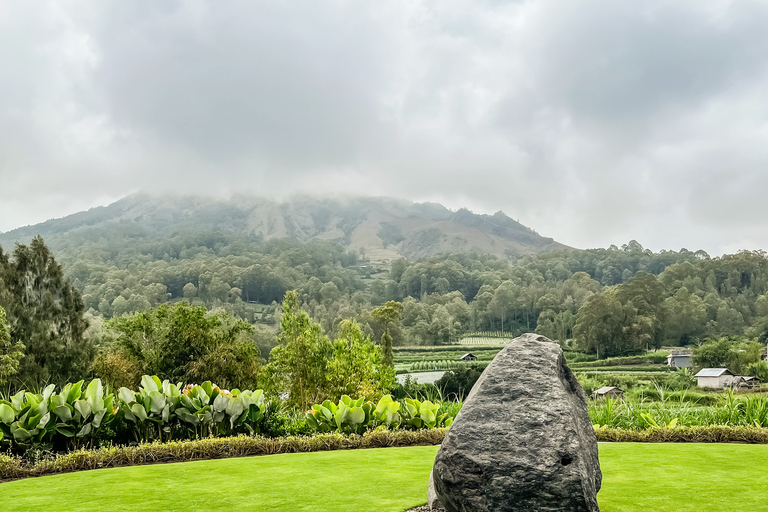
[(45, 313)]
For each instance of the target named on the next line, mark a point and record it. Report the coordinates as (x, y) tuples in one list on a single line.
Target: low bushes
[(695, 434), (14, 467)]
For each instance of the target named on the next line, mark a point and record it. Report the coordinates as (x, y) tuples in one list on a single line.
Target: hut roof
[(607, 389), (713, 372)]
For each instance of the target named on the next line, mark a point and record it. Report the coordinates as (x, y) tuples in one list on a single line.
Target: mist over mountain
[(380, 228)]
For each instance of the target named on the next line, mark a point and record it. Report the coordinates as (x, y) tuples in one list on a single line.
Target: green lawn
[(636, 477)]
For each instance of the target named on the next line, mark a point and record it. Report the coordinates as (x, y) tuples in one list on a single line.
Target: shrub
[(457, 383), (356, 416)]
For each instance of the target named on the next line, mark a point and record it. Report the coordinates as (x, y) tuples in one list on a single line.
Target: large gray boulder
[(523, 440)]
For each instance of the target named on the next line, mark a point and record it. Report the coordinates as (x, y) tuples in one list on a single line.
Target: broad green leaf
[(356, 416), (97, 419), (96, 403), (149, 384), (75, 392), (94, 389), (21, 434), (220, 403), (32, 401), (188, 404), (157, 402), (65, 430), (48, 391), (166, 414), (187, 416), (139, 412), (32, 422), (7, 414), (129, 416), (84, 408), (126, 395), (57, 400), (18, 400), (63, 412), (235, 407), (85, 430)]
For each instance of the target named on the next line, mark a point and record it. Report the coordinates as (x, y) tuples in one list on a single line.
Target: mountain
[(381, 228)]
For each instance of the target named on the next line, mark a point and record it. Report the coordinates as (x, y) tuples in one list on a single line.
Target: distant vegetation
[(120, 267)]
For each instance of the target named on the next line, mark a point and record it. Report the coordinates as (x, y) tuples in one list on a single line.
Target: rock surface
[(433, 500), (523, 440)]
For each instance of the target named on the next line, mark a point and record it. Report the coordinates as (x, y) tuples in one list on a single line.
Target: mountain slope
[(381, 228)]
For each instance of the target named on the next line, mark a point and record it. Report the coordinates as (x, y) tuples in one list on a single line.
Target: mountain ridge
[(381, 228)]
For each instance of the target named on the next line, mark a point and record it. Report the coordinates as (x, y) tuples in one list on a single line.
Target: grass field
[(636, 477)]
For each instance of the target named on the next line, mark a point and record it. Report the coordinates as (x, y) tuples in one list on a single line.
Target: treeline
[(611, 301)]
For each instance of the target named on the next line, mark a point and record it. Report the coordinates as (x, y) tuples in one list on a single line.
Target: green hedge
[(710, 434), (12, 468)]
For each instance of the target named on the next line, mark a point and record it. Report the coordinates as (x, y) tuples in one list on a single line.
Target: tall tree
[(10, 352), (45, 313), (387, 315), (357, 367), (298, 364)]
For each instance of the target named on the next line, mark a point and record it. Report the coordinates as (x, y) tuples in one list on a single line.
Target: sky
[(592, 121)]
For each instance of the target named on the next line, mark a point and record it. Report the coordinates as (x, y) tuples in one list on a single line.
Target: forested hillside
[(611, 301)]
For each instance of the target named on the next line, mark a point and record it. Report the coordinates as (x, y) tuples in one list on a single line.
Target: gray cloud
[(591, 121)]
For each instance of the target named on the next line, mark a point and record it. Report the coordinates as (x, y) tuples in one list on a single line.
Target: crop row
[(445, 364)]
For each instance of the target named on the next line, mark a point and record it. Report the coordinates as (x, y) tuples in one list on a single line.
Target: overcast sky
[(593, 122)]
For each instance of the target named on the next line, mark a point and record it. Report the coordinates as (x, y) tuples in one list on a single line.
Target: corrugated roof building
[(715, 378)]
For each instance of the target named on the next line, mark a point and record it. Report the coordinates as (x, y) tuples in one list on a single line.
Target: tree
[(357, 368), (599, 324), (45, 313), (182, 342), (387, 315), (646, 295), (11, 352), (298, 364), (735, 354), (686, 315)]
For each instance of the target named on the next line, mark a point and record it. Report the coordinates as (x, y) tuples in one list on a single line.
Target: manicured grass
[(636, 477), (665, 477), (380, 479)]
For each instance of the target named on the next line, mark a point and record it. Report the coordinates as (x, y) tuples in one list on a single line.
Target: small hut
[(745, 382), (468, 357), (679, 360), (716, 378), (608, 392)]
